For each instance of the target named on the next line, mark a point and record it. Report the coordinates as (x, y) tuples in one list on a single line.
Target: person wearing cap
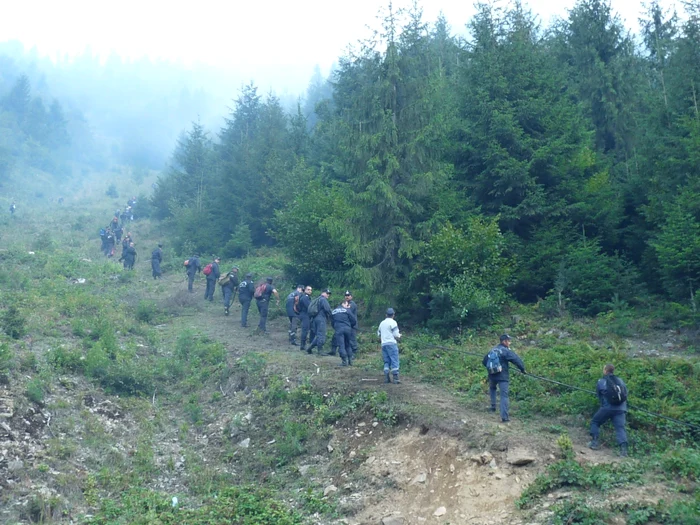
[(263, 303), (193, 266), (130, 257), (156, 259), (229, 285), (292, 307), (211, 280), (501, 379), (353, 333), (246, 290), (304, 302), (343, 322), (388, 332), (320, 322)]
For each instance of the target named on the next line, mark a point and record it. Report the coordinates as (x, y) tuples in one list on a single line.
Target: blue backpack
[(493, 361), (103, 232)]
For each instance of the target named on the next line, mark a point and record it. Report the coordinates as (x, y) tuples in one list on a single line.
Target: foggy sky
[(276, 43)]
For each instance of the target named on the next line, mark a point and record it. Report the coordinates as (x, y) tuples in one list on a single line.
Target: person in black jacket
[(502, 378), (320, 321), (263, 303), (129, 257), (229, 287), (292, 307), (343, 323), (211, 280), (156, 259), (245, 296), (193, 266), (304, 302), (616, 413)]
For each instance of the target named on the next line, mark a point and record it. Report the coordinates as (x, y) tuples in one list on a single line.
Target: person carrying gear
[(193, 266), (292, 307), (156, 259), (496, 362), (353, 309), (125, 244), (129, 257), (320, 321), (304, 302), (118, 234), (612, 393), (388, 332), (343, 322), (110, 243), (229, 286), (263, 303), (246, 290), (212, 275)]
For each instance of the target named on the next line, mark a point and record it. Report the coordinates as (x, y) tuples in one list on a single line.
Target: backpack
[(224, 280), (314, 307), (186, 263), (493, 361), (103, 232), (615, 391), (207, 269), (260, 290)]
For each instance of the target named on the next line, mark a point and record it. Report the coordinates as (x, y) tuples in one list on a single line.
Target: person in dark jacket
[(343, 323), (291, 305), (320, 322), (353, 310), (125, 243), (13, 207), (229, 286), (304, 302), (616, 413), (245, 296), (211, 280), (263, 303), (118, 234), (110, 243), (156, 259), (129, 257), (502, 378), (193, 266)]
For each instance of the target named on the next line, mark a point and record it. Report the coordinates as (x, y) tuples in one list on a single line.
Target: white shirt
[(389, 331)]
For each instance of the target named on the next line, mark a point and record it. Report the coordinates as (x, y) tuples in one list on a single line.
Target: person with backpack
[(13, 207), (320, 313), (110, 243), (129, 257), (229, 285), (388, 332), (344, 322), (156, 259), (292, 307), (305, 321), (125, 244), (246, 291), (103, 239), (212, 273), (352, 305), (192, 267), (262, 295), (612, 393), (118, 234), (497, 364)]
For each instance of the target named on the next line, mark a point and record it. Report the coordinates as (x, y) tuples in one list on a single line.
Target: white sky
[(235, 35)]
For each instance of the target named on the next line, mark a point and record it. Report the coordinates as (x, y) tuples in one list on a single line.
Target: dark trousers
[(190, 281), (294, 321), (155, 266), (342, 339), (320, 329), (305, 324), (228, 295), (618, 418), (503, 388), (245, 306), (211, 287), (263, 306)]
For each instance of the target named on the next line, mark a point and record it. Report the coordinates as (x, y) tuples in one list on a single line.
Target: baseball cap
[(347, 292), (504, 337), (328, 291), (269, 279), (390, 311), (248, 275)]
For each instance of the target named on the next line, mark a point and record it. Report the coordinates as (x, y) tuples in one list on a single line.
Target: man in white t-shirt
[(388, 331)]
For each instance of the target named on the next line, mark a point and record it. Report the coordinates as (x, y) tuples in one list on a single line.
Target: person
[(353, 334), (615, 412), (343, 321), (13, 207), (124, 216), (263, 303), (103, 240), (110, 243), (229, 285), (130, 257), (114, 224), (211, 280), (388, 332), (125, 244), (156, 259), (118, 234), (304, 302), (292, 307), (319, 322), (501, 378), (193, 266), (246, 290)]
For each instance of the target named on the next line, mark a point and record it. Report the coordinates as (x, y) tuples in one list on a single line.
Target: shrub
[(112, 192), (147, 311), (13, 322), (35, 391)]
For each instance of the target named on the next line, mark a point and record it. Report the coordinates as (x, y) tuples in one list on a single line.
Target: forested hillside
[(555, 164)]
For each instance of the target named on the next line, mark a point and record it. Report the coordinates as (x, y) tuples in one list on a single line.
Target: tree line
[(557, 164)]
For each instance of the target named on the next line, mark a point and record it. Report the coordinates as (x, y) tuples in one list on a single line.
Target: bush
[(13, 322), (35, 391), (112, 192), (147, 311)]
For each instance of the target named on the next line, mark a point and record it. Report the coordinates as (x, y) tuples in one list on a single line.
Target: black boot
[(623, 450), (396, 378), (350, 356), (226, 311), (310, 349), (593, 444), (387, 379), (344, 362)]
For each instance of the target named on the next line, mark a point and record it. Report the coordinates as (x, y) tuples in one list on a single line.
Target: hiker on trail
[(110, 243), (192, 266), (212, 273), (118, 234), (353, 309), (292, 307), (304, 302), (13, 207), (103, 240), (156, 259), (388, 331), (125, 244), (246, 290), (343, 321), (612, 393), (130, 257), (496, 362), (229, 285), (262, 295), (124, 216), (320, 313), (114, 224)]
